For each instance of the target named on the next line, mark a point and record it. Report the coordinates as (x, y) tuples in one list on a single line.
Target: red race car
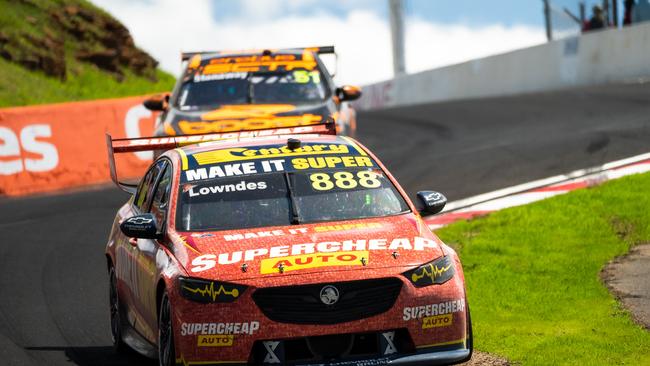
[(285, 246)]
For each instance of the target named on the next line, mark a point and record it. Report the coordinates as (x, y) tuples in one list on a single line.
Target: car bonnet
[(384, 246)]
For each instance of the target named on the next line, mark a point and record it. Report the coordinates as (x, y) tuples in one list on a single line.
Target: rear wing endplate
[(125, 145), (319, 50)]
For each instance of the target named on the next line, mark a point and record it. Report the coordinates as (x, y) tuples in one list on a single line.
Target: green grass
[(533, 276), (19, 86)]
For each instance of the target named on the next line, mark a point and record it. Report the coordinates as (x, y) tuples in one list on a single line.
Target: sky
[(438, 32)]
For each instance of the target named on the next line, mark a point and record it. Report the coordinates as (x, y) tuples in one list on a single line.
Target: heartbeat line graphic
[(432, 274), (211, 292)]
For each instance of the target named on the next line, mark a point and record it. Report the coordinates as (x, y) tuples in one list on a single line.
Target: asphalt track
[(53, 282)]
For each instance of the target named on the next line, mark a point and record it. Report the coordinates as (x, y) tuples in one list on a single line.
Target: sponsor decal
[(387, 343), (293, 252), (202, 235), (295, 231), (139, 220), (331, 162), (274, 351), (264, 234), (225, 188), (210, 292), (254, 123), (329, 295), (347, 227), (447, 307), (227, 76), (431, 271), (239, 153), (237, 111), (437, 321), (40, 156), (216, 340), (255, 63), (189, 329), (298, 262), (235, 169)]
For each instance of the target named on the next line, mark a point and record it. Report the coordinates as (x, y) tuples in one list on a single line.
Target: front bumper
[(428, 330)]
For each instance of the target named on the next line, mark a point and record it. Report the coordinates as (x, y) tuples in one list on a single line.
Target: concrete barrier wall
[(593, 58), (57, 146)]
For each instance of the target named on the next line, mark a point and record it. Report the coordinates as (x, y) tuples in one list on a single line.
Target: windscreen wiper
[(295, 218)]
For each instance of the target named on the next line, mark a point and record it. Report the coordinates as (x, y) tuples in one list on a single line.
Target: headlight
[(209, 291), (436, 272)]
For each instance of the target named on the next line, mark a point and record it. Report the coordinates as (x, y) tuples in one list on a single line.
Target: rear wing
[(125, 145), (319, 50)]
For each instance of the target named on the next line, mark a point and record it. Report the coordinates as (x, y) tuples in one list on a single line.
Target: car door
[(146, 252), (128, 251)]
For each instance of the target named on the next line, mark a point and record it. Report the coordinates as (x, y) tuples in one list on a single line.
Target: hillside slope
[(64, 50)]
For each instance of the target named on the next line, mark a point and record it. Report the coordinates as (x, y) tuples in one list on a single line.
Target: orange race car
[(284, 246), (249, 90)]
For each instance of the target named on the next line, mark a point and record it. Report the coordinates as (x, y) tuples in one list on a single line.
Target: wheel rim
[(165, 335), (114, 309)]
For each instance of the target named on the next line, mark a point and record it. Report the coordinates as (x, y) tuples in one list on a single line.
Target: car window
[(161, 195), (294, 86), (145, 188)]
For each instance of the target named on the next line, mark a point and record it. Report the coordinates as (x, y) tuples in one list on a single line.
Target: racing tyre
[(470, 335), (115, 313), (166, 350)]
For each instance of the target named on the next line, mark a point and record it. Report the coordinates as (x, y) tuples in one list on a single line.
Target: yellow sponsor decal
[(254, 63), (437, 321), (210, 291), (432, 271), (247, 111), (215, 340), (240, 153), (331, 162), (254, 123), (346, 227), (298, 262)]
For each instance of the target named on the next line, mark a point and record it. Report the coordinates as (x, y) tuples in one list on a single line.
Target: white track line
[(538, 190)]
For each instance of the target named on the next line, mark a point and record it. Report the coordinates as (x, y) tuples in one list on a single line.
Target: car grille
[(302, 304)]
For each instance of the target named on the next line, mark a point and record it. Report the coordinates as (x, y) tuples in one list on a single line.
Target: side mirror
[(348, 92), (157, 102), (431, 202), (141, 227)]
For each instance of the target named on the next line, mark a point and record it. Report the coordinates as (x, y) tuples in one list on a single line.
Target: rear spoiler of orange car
[(319, 50), (116, 146)]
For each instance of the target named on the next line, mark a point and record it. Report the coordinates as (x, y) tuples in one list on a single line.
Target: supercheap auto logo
[(435, 315), (298, 262), (311, 255)]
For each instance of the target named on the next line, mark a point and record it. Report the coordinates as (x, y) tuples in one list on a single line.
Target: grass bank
[(19, 86), (533, 276)]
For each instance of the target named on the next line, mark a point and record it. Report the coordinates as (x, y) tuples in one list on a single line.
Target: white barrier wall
[(593, 58)]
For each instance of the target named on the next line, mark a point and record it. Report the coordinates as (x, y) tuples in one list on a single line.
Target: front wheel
[(166, 351), (470, 335)]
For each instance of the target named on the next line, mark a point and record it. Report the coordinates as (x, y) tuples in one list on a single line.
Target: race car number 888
[(344, 180)]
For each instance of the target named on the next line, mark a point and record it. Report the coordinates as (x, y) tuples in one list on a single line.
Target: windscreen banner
[(58, 146)]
